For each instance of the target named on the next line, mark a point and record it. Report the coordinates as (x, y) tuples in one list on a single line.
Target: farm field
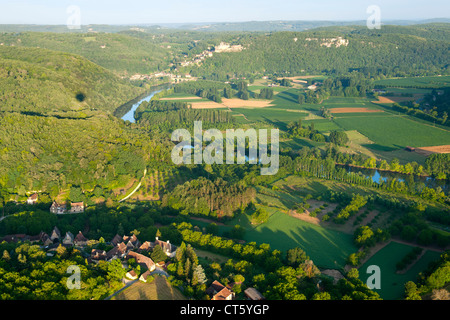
[(158, 289), (395, 132), (270, 115), (420, 82), (392, 284)]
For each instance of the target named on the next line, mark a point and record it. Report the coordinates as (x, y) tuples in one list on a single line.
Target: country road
[(136, 189)]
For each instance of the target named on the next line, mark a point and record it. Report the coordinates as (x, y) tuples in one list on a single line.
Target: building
[(68, 239), (116, 240), (142, 260), (55, 235), (32, 199), (76, 207), (253, 294), (168, 248), (118, 252), (80, 240), (97, 255), (144, 276), (131, 275), (218, 291), (58, 208)]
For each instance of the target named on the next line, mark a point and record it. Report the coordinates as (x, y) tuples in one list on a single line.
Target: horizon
[(221, 22), (115, 12)]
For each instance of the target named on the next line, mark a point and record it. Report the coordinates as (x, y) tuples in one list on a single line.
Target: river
[(129, 108), (376, 175)]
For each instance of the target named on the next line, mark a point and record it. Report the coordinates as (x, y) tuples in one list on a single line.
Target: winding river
[(129, 108)]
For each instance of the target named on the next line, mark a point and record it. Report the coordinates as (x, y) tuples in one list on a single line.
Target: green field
[(392, 284), (270, 115), (395, 132), (419, 82), (327, 248)]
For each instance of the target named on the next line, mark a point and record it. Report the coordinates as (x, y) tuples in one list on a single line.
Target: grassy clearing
[(327, 248), (392, 284), (158, 289)]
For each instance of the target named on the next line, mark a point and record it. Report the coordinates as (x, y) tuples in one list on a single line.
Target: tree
[(339, 138), (199, 276), (158, 254), (180, 252), (296, 256), (364, 236), (411, 291), (301, 98), (61, 251)]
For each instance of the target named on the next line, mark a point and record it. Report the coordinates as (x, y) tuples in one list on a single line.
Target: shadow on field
[(328, 248)]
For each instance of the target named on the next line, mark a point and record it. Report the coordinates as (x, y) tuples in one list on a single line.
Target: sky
[(188, 11)]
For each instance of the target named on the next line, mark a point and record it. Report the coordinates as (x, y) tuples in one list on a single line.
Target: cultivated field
[(418, 82), (436, 149), (353, 110), (395, 132), (158, 289)]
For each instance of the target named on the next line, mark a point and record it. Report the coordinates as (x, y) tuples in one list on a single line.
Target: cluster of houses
[(50, 241), (125, 248), (58, 208)]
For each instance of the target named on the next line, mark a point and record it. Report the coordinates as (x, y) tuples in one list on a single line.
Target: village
[(197, 59), (133, 254)]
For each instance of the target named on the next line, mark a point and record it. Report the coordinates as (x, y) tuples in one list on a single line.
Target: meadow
[(327, 248), (392, 284)]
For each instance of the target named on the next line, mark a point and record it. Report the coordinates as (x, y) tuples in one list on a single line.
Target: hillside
[(337, 50), (55, 83), (57, 128), (120, 53)]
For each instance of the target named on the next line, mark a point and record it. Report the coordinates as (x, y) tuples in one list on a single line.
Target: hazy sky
[(181, 11)]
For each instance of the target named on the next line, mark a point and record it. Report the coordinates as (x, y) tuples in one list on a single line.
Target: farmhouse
[(131, 275), (168, 248), (218, 291), (32, 199), (58, 208), (68, 239), (80, 239), (55, 235), (144, 276), (77, 207), (142, 260)]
